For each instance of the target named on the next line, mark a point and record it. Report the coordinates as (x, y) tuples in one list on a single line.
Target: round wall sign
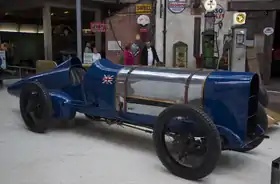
[(176, 6), (239, 18), (268, 31), (143, 20), (210, 5), (219, 14)]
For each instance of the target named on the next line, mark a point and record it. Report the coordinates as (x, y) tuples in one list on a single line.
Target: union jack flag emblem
[(107, 79)]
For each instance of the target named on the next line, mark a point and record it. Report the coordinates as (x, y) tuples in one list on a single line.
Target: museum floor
[(97, 153)]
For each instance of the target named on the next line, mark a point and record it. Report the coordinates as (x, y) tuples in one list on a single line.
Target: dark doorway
[(275, 65)]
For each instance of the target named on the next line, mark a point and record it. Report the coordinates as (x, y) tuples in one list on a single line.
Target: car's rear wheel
[(262, 121), (195, 145), (35, 107)]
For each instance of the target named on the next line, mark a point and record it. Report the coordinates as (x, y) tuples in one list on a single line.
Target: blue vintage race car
[(193, 114)]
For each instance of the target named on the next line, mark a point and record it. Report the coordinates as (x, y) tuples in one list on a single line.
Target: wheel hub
[(33, 107), (186, 149)]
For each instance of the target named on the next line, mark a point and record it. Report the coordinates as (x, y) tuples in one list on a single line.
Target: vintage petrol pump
[(208, 41), (237, 60), (234, 50)]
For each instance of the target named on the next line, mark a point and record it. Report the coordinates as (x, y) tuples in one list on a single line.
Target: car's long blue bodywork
[(226, 98)]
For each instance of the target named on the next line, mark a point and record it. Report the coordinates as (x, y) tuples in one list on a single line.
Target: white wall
[(180, 27)]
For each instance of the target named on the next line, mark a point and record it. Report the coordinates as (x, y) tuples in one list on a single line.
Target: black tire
[(35, 93), (263, 96), (262, 120), (213, 144)]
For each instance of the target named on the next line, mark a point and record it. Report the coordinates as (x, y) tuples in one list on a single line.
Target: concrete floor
[(97, 153)]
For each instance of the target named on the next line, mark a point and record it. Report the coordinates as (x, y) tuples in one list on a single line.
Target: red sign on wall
[(143, 30), (98, 27)]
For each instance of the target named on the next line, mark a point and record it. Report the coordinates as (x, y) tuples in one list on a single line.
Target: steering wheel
[(77, 75)]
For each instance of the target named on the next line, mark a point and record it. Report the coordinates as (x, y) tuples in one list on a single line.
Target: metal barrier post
[(20, 75), (275, 171), (79, 29)]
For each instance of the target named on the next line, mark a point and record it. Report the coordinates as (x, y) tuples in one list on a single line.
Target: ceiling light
[(8, 30), (66, 12)]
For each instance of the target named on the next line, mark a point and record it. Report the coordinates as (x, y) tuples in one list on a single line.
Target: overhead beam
[(87, 5), (70, 5), (129, 1), (253, 5), (13, 5)]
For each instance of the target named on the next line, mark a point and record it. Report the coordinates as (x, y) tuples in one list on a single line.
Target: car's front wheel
[(195, 145), (35, 107)]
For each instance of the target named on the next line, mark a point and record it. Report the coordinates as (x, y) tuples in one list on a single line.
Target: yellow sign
[(143, 8), (239, 18)]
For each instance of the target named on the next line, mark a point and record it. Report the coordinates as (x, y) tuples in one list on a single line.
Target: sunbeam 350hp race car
[(193, 114)]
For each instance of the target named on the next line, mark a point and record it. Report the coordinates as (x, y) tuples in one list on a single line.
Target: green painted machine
[(209, 40)]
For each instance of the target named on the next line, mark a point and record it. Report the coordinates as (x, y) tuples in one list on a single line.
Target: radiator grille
[(253, 105)]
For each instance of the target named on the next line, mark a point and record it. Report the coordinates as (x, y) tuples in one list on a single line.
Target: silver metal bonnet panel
[(165, 85)]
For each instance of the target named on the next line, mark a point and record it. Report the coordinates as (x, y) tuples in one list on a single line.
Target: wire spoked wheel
[(186, 149), (187, 141), (35, 107)]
